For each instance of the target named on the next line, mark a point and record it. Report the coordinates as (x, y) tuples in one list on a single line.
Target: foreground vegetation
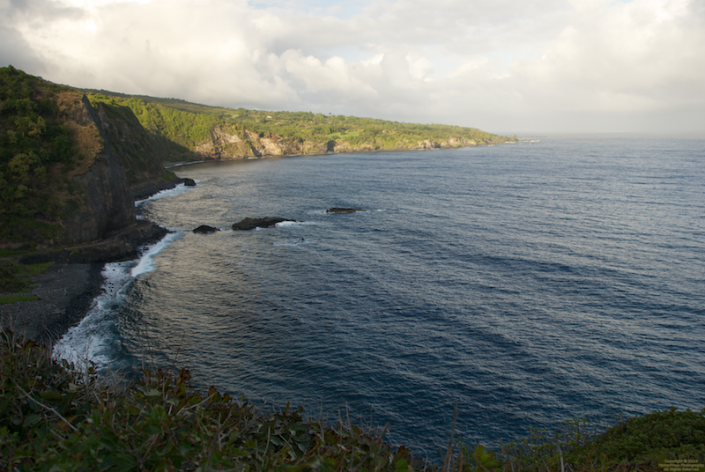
[(56, 417)]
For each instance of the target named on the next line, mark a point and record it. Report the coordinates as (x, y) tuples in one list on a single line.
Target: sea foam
[(95, 338), (181, 188)]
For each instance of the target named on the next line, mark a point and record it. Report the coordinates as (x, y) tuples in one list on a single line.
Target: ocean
[(528, 283)]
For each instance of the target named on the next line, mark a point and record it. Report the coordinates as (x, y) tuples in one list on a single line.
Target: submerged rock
[(252, 223), (343, 210), (205, 229)]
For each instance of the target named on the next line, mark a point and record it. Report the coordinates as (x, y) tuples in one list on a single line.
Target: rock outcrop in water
[(343, 210), (252, 223), (205, 229)]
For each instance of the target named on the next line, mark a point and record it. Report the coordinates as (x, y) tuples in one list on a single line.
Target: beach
[(64, 293), (66, 289)]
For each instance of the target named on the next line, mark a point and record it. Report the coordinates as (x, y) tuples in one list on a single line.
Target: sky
[(506, 66)]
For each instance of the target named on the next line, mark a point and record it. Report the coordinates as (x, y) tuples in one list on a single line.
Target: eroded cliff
[(62, 165), (203, 132)]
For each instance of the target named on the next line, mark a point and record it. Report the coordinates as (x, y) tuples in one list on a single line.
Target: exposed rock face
[(147, 189), (252, 223), (107, 205), (205, 229), (231, 144), (139, 153), (343, 210)]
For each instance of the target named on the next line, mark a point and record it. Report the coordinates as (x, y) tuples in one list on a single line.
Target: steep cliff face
[(107, 205), (62, 165), (140, 153), (227, 144), (224, 144)]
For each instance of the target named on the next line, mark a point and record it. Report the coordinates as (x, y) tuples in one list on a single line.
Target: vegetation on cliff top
[(48, 140), (56, 417), (37, 153), (189, 124)]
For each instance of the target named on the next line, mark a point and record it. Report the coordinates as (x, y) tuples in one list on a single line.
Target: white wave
[(146, 263), (288, 224), (181, 188), (93, 338)]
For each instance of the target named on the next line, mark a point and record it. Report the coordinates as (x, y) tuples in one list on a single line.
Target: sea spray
[(164, 193), (96, 337)]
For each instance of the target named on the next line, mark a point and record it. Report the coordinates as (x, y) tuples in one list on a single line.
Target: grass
[(17, 298), (14, 277), (9, 252), (643, 443), (35, 269), (57, 416), (54, 416)]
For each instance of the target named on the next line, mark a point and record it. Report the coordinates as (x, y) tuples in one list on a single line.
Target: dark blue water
[(529, 283)]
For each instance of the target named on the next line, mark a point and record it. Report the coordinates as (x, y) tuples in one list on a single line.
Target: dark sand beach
[(64, 293)]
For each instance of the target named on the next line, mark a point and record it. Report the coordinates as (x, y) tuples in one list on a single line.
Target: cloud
[(501, 65)]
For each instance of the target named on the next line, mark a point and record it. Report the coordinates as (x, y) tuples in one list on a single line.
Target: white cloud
[(501, 65)]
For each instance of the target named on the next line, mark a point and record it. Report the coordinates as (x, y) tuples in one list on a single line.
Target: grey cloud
[(15, 51), (514, 65)]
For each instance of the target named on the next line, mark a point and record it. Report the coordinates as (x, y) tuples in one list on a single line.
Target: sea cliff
[(202, 132), (72, 163), (67, 202)]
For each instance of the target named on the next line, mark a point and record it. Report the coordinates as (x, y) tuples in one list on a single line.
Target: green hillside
[(189, 125), (39, 152)]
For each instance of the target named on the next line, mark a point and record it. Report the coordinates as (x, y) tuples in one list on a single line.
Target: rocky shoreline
[(65, 291)]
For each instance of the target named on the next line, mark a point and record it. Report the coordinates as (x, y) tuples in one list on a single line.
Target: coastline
[(65, 291), (210, 159)]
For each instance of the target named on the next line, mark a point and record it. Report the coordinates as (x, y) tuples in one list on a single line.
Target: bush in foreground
[(54, 417)]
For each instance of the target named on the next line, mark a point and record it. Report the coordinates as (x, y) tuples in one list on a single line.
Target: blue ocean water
[(528, 283)]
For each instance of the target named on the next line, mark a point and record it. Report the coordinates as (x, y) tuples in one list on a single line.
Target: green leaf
[(51, 396)]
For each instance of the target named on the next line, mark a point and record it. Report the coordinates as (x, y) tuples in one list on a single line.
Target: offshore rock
[(252, 223), (343, 210), (205, 229), (189, 182)]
